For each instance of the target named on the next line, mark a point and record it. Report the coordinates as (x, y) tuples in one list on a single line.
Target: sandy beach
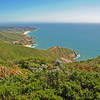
[(26, 32), (28, 46)]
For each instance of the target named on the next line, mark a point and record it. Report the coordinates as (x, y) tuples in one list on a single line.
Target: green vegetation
[(37, 79), (10, 53), (63, 52), (15, 35), (11, 36), (53, 74), (32, 74), (91, 64)]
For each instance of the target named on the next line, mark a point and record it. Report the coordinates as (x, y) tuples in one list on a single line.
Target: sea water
[(84, 38)]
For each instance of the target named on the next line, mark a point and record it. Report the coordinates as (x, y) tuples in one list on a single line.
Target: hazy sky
[(50, 11)]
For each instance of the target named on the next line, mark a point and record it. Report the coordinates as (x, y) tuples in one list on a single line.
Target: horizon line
[(52, 22)]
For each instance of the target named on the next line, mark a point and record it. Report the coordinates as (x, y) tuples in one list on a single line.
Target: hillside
[(32, 74), (10, 53), (40, 78), (11, 36), (52, 74), (91, 64), (65, 54), (16, 35)]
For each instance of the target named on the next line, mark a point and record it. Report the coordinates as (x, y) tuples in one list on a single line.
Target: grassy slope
[(14, 33), (62, 52), (10, 53), (11, 36)]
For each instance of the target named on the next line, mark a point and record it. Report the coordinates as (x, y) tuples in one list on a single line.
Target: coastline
[(26, 32), (77, 55), (31, 45)]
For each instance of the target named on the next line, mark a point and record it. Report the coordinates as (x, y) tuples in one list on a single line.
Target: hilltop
[(65, 54)]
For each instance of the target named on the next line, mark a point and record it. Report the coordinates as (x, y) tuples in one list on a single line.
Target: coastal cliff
[(64, 54)]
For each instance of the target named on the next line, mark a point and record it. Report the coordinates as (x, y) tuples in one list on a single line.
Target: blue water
[(83, 38)]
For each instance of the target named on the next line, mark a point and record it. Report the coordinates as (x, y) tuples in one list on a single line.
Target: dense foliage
[(49, 84), (32, 74)]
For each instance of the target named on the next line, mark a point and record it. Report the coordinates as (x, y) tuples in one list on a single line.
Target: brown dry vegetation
[(6, 72)]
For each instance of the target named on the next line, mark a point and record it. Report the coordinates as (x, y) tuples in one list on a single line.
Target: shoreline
[(26, 32), (77, 55), (31, 45), (34, 45)]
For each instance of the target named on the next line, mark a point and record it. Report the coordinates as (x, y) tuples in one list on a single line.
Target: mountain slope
[(10, 53)]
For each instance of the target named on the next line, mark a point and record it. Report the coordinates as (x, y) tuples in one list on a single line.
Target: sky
[(85, 11)]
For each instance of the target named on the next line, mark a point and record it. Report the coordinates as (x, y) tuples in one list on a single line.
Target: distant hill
[(16, 35), (11, 36), (16, 28)]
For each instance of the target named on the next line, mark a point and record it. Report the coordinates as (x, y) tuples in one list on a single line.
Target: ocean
[(84, 38)]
